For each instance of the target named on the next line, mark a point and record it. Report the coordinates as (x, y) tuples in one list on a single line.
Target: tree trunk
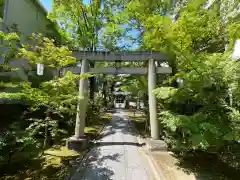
[(45, 136), (92, 89), (146, 112), (105, 92), (92, 84), (46, 132)]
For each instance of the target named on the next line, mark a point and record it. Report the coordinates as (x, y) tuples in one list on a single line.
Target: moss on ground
[(55, 162), (139, 120)]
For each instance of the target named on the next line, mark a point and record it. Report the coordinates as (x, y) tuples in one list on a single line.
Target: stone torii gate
[(78, 141)]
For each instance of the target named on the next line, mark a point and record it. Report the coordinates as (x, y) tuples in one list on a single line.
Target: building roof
[(39, 4), (45, 12)]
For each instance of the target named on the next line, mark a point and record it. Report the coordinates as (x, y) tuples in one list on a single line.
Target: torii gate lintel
[(122, 56)]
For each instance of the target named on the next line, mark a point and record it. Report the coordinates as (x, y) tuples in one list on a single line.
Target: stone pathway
[(116, 155)]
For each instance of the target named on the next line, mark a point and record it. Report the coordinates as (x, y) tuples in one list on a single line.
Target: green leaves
[(81, 20), (45, 52), (9, 49), (58, 94), (196, 140), (9, 36), (53, 99), (165, 92), (93, 25), (170, 119), (58, 98)]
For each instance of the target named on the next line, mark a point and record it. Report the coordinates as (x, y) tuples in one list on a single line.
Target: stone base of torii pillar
[(77, 144)]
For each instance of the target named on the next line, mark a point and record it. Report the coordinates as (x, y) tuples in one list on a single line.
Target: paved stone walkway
[(116, 155)]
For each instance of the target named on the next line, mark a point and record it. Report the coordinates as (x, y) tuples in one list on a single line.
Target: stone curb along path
[(154, 166), (156, 170), (163, 162)]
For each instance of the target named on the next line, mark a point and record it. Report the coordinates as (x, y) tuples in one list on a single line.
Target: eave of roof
[(45, 12), (39, 4)]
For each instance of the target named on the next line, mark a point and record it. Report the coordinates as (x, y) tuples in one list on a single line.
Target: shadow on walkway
[(94, 168), (106, 134), (105, 161), (119, 143)]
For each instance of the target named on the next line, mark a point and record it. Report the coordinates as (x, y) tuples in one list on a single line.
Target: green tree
[(12, 140), (206, 68), (92, 26), (8, 49), (57, 96)]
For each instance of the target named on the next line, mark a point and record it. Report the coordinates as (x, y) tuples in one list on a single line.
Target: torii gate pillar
[(78, 141), (82, 102), (152, 99)]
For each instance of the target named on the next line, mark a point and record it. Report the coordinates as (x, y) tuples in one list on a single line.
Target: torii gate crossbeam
[(122, 56)]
